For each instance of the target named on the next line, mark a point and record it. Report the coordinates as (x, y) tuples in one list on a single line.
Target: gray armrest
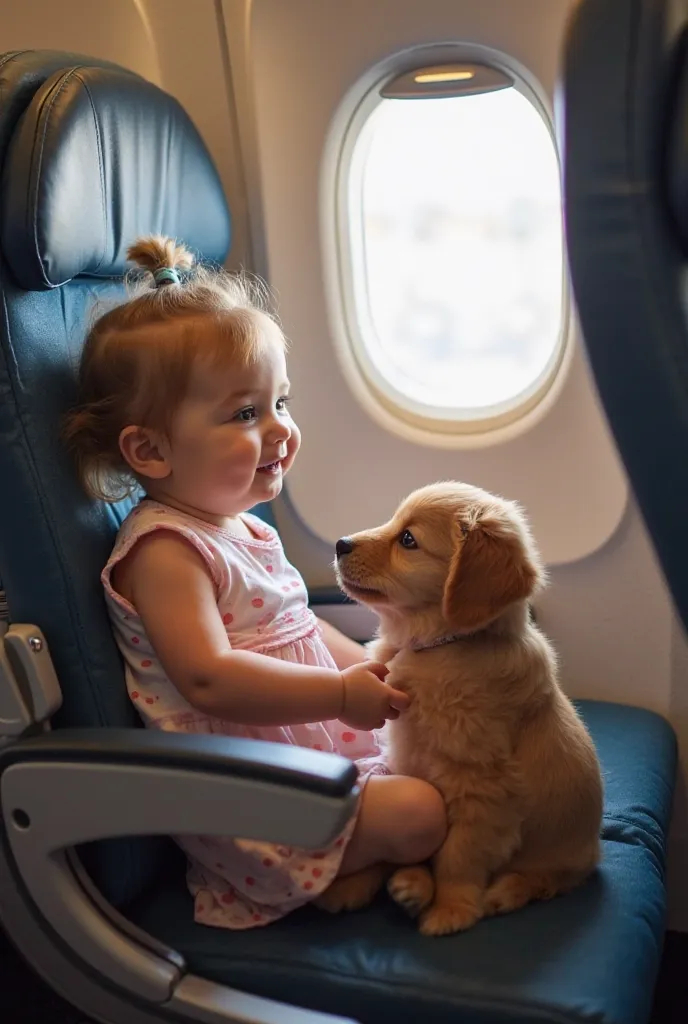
[(138, 782), (306, 769), (59, 790)]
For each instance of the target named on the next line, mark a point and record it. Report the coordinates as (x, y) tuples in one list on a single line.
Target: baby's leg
[(401, 821)]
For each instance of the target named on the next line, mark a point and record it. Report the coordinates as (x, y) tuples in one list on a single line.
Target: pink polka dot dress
[(239, 883)]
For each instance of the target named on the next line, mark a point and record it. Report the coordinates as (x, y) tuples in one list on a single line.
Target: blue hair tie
[(166, 275)]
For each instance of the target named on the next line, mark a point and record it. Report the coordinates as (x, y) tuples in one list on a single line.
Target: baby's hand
[(368, 700)]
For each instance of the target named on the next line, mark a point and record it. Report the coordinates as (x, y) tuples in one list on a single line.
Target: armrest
[(59, 790), (310, 770), (126, 782)]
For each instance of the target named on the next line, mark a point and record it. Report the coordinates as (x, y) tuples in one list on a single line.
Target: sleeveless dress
[(239, 883)]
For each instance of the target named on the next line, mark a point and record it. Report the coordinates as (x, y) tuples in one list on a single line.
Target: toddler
[(183, 391)]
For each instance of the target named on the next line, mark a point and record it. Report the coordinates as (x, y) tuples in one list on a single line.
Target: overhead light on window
[(446, 80), (443, 76)]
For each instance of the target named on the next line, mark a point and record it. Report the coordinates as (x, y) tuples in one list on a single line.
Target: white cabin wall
[(115, 32), (303, 58)]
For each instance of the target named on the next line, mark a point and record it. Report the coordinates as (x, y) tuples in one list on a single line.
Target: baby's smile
[(272, 468)]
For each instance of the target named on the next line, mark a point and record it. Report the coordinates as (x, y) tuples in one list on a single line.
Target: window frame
[(442, 427)]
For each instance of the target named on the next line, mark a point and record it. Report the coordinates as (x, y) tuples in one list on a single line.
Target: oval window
[(452, 262)]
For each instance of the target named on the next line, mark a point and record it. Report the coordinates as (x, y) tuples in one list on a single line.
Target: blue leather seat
[(95, 145), (625, 141), (591, 956)]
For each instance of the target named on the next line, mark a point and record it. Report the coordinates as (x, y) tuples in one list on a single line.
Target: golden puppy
[(450, 577)]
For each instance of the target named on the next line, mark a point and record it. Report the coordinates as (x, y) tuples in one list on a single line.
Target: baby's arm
[(344, 651), (173, 593)]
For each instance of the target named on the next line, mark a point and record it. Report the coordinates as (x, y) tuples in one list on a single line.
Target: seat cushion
[(589, 956)]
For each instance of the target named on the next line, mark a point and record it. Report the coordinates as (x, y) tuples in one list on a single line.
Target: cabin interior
[(472, 217)]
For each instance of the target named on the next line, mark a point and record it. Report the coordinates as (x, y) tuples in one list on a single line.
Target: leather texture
[(626, 172), (22, 72), (677, 151), (589, 956), (98, 158), (53, 540)]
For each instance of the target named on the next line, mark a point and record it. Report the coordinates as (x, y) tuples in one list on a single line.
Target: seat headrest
[(21, 74), (98, 158)]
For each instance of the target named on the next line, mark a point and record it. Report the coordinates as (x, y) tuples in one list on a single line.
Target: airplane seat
[(625, 145), (96, 157), (32, 527)]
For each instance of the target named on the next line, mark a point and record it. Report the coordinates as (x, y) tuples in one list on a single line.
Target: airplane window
[(454, 255)]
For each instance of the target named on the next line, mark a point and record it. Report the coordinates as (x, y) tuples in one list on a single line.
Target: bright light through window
[(454, 210)]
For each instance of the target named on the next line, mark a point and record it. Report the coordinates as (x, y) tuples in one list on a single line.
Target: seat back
[(22, 72), (625, 144), (95, 157)]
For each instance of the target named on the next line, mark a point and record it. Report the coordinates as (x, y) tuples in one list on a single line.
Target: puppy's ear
[(490, 569)]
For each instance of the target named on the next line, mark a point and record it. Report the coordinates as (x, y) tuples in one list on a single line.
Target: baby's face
[(233, 438)]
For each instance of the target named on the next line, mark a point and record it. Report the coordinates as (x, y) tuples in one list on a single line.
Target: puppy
[(450, 576)]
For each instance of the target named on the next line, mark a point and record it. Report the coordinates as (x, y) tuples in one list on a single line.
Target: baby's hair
[(138, 356)]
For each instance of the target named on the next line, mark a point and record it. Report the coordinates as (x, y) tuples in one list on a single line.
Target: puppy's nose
[(344, 546)]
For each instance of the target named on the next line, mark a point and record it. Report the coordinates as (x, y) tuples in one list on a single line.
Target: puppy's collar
[(416, 646)]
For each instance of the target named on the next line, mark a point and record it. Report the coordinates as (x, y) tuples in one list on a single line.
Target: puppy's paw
[(353, 891), (454, 911), (512, 891), (412, 888)]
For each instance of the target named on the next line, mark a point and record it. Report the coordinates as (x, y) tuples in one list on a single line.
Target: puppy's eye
[(407, 540)]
